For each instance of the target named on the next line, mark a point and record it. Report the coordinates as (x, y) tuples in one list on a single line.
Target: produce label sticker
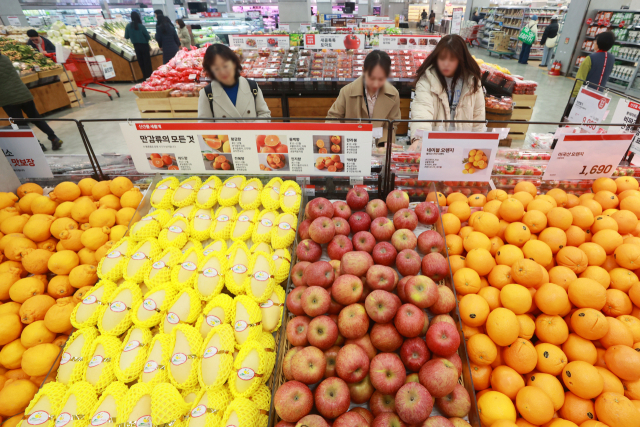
[(458, 156), (334, 41), (587, 156), (408, 41), (329, 149), (589, 109), (22, 150), (259, 41)]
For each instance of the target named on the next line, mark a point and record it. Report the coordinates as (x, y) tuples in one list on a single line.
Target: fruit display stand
[(126, 70)]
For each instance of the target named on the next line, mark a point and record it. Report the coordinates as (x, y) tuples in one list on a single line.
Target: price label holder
[(356, 180), (589, 109), (586, 156), (310, 190)]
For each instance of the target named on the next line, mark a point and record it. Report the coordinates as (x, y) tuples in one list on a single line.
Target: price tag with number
[(589, 109), (587, 156)]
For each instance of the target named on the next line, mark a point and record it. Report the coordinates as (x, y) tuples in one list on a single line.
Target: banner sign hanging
[(334, 41), (259, 41), (408, 41)]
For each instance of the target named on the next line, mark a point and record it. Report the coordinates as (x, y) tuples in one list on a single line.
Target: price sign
[(84, 21), (23, 152), (589, 109), (99, 20), (626, 112), (14, 20), (587, 156), (334, 41), (408, 41), (35, 21), (284, 27), (259, 41), (71, 20)]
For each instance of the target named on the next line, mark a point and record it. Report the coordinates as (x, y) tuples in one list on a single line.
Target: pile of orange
[(477, 160), (549, 300)]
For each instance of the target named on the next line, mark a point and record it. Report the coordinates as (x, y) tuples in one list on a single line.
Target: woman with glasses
[(229, 95)]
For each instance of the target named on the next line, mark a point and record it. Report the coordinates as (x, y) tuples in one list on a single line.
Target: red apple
[(455, 404), (335, 263), (319, 273), (385, 337), (339, 246), (421, 291), (408, 262), (283, 423), (376, 208), (387, 373), (387, 419), (430, 241), (427, 212), (320, 207), (381, 306), (442, 318), (332, 397), (315, 300), (405, 218), (384, 254), (381, 277), (294, 300), (381, 403), (414, 353), (297, 330), (308, 250), (397, 200), (303, 229), (365, 344), (439, 376), (350, 419), (308, 365), (382, 228), (401, 288), (330, 356), (347, 289), (352, 363), (404, 239), (435, 266), (443, 339), (312, 421), (322, 333), (364, 241), (286, 363), (409, 320), (440, 421), (335, 307), (356, 263), (446, 301), (297, 273), (341, 209), (359, 221), (341, 226), (353, 321), (365, 293), (357, 198), (413, 403), (365, 413), (457, 362), (292, 401), (322, 230)]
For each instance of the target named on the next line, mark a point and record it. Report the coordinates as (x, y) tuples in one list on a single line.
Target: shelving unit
[(544, 19)]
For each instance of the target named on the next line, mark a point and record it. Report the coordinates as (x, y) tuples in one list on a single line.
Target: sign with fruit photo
[(256, 41), (457, 155), (278, 148), (334, 41), (411, 41)]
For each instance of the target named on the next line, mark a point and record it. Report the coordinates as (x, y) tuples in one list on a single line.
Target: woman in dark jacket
[(139, 36), (166, 36), (550, 38)]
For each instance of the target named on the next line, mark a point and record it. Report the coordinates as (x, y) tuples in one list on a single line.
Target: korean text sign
[(457, 156), (589, 109), (259, 41), (408, 41), (23, 152), (341, 149), (334, 41)]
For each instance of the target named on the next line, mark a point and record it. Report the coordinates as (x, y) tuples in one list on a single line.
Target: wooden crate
[(522, 113), (154, 107), (525, 100), (70, 86), (310, 107), (275, 106)]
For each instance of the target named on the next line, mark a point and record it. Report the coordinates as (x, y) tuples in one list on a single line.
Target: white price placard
[(284, 27), (107, 70), (99, 20), (259, 41), (23, 152), (340, 149), (84, 21), (408, 41), (589, 109), (71, 20), (305, 28), (378, 24), (334, 41), (456, 20), (457, 156), (14, 20), (587, 156), (626, 112), (34, 21)]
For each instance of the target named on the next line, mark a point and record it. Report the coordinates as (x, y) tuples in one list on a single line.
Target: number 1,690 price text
[(596, 169)]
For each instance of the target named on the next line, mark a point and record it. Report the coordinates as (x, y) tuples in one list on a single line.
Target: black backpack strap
[(209, 92), (254, 90)]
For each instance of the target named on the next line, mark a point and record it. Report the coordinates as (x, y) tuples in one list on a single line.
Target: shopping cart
[(88, 71), (470, 34)]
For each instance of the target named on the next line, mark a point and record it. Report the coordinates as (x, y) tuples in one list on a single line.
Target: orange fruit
[(475, 239), (516, 298), (617, 334), (451, 223), (548, 198), (575, 236), (541, 205), (465, 231), (496, 243), (582, 217), (593, 206), (500, 276), (492, 296), (589, 323), (578, 348), (631, 204), (551, 299), (559, 195), (627, 221), (609, 212), (625, 183), (600, 362), (586, 196), (507, 381), (616, 410), (494, 406), (598, 274), (551, 329), (439, 197), (454, 244), (474, 310), (633, 323), (611, 382), (587, 293), (492, 206), (508, 255), (617, 303), (527, 326), (577, 409), (550, 385), (456, 262), (534, 405), (466, 281), (623, 279), (511, 210), (562, 276), (477, 200), (524, 198), (573, 258), (517, 233), (601, 184), (608, 239), (623, 361), (498, 194), (503, 226), (502, 326), (595, 253), (538, 251), (527, 273), (560, 218), (535, 220), (481, 350), (610, 263), (554, 237), (521, 356), (628, 193), (602, 222), (526, 186), (582, 379), (469, 331), (627, 255), (486, 223), (572, 201), (606, 199), (631, 389), (456, 197), (480, 375), (631, 239), (480, 260), (460, 208)]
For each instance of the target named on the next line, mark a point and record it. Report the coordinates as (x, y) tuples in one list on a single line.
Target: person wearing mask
[(166, 36), (549, 40), (526, 48), (448, 87), (139, 36), (432, 21), (596, 67), (229, 95), (370, 96), (16, 99), (39, 43), (183, 34)]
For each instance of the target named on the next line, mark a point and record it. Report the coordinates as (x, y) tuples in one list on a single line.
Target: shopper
[(229, 95), (475, 18), (183, 34), (16, 99), (432, 20), (370, 96), (526, 48), (596, 67), (424, 15), (448, 87), (39, 43), (139, 36), (166, 36), (549, 40)]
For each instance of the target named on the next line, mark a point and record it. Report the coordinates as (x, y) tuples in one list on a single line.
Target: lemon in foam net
[(87, 312), (155, 368), (186, 192), (250, 195), (184, 273), (208, 192), (220, 310), (149, 311), (270, 195), (211, 278), (238, 267), (75, 356), (183, 364), (133, 354), (216, 357)]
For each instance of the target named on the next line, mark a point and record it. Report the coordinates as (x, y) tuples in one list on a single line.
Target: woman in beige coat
[(183, 34), (448, 87)]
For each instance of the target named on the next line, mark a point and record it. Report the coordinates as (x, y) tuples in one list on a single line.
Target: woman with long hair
[(166, 36), (448, 87), (183, 34), (139, 36)]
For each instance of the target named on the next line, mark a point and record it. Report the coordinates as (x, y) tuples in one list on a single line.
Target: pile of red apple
[(361, 332)]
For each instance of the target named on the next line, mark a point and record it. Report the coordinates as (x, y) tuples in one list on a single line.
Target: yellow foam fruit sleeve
[(137, 406), (211, 275), (183, 365), (211, 404), (100, 372), (262, 399), (185, 308), (186, 192), (264, 225), (248, 320), (269, 344), (229, 193), (133, 355), (290, 197), (175, 234), (238, 268), (207, 195), (160, 271), (222, 223), (216, 357), (260, 246), (270, 195), (43, 413), (137, 266), (167, 406), (284, 232), (249, 369), (244, 224), (215, 246), (86, 313), (110, 267), (150, 225), (149, 310), (163, 193), (219, 310), (103, 411), (200, 224), (76, 406), (184, 273), (156, 367), (260, 281), (192, 244), (250, 194), (184, 212), (190, 395), (242, 412), (76, 355), (117, 316), (272, 310), (282, 259)]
